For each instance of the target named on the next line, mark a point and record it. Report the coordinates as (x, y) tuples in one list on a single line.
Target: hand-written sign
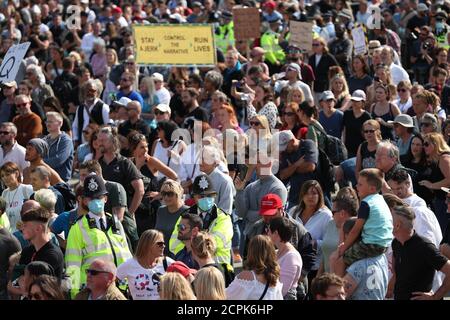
[(175, 45), (301, 34), (11, 62), (247, 23), (359, 40)]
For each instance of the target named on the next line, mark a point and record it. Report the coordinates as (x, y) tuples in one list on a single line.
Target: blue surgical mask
[(205, 204), (96, 206)]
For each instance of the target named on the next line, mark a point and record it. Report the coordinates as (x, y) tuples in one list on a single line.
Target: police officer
[(225, 32), (96, 235), (274, 56), (215, 221)]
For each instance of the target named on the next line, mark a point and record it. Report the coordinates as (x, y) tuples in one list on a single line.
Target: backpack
[(325, 172), (62, 89), (334, 148), (70, 199)]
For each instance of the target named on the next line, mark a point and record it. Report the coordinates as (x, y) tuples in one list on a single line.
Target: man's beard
[(6, 143)]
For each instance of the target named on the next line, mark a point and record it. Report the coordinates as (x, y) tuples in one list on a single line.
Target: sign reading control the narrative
[(175, 44)]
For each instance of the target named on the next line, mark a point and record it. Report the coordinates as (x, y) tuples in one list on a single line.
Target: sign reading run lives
[(175, 44)]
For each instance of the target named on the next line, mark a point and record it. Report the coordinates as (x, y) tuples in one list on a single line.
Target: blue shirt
[(333, 125), (64, 222), (371, 277), (378, 225), (133, 95)]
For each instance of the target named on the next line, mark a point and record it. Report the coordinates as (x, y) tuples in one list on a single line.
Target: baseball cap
[(293, 66), (422, 7), (177, 17), (197, 4), (158, 77), (327, 95), (84, 1), (117, 10), (270, 4), (403, 119), (270, 203), (358, 95), (163, 108), (123, 101), (181, 268), (227, 15), (284, 137)]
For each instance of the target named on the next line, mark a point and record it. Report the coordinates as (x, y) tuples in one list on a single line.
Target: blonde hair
[(55, 115), (170, 185), (209, 284), (203, 245), (440, 146), (173, 286), (147, 240), (376, 125), (46, 198), (295, 90), (345, 91)]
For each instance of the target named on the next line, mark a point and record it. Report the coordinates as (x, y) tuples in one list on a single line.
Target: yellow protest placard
[(175, 44)]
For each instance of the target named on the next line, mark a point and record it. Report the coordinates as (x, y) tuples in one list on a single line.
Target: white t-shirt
[(415, 201), (14, 201), (163, 95), (143, 283)]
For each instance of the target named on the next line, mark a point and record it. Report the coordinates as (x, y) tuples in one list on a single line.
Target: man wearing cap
[(127, 80), (274, 55), (295, 55), (118, 17), (8, 102), (10, 150), (224, 35), (28, 123), (270, 13), (420, 19), (331, 119), (35, 152), (404, 130), (272, 207), (160, 90), (95, 235), (293, 76), (162, 113), (342, 48), (298, 161), (197, 8), (215, 220)]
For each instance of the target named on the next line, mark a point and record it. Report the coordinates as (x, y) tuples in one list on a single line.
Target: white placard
[(359, 40), (11, 62)]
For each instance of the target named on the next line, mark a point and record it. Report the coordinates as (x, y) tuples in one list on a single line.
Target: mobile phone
[(242, 171)]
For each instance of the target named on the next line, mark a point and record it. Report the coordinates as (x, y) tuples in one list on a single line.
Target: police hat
[(94, 186), (203, 185)]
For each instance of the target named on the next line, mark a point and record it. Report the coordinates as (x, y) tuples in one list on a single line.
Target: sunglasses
[(335, 211), (36, 296), (4, 132), (86, 132), (369, 131), (159, 113), (160, 244), (255, 123), (289, 114), (123, 79), (316, 44), (20, 105), (401, 90), (181, 227), (168, 194), (92, 272)]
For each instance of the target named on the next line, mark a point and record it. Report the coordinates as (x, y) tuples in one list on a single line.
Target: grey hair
[(37, 70), (215, 78), (406, 215), (96, 83), (42, 171), (112, 136), (56, 115), (433, 119), (392, 149), (46, 198), (11, 125), (221, 96), (211, 154)]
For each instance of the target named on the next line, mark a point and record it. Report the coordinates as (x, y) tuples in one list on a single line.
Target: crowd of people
[(322, 174)]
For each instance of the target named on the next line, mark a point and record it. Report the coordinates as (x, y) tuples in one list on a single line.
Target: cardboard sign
[(11, 62), (359, 41), (246, 23), (174, 44), (301, 35)]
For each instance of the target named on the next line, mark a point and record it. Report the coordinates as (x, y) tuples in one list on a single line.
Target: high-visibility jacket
[(221, 228), (274, 52), (86, 242), (224, 37)]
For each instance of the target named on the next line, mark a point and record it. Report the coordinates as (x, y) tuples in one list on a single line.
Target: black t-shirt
[(141, 126), (198, 113), (123, 171), (49, 253), (8, 246), (416, 262), (355, 83), (353, 131)]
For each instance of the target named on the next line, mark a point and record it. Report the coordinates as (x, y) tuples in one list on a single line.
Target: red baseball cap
[(181, 268), (270, 4), (117, 10), (270, 203)]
